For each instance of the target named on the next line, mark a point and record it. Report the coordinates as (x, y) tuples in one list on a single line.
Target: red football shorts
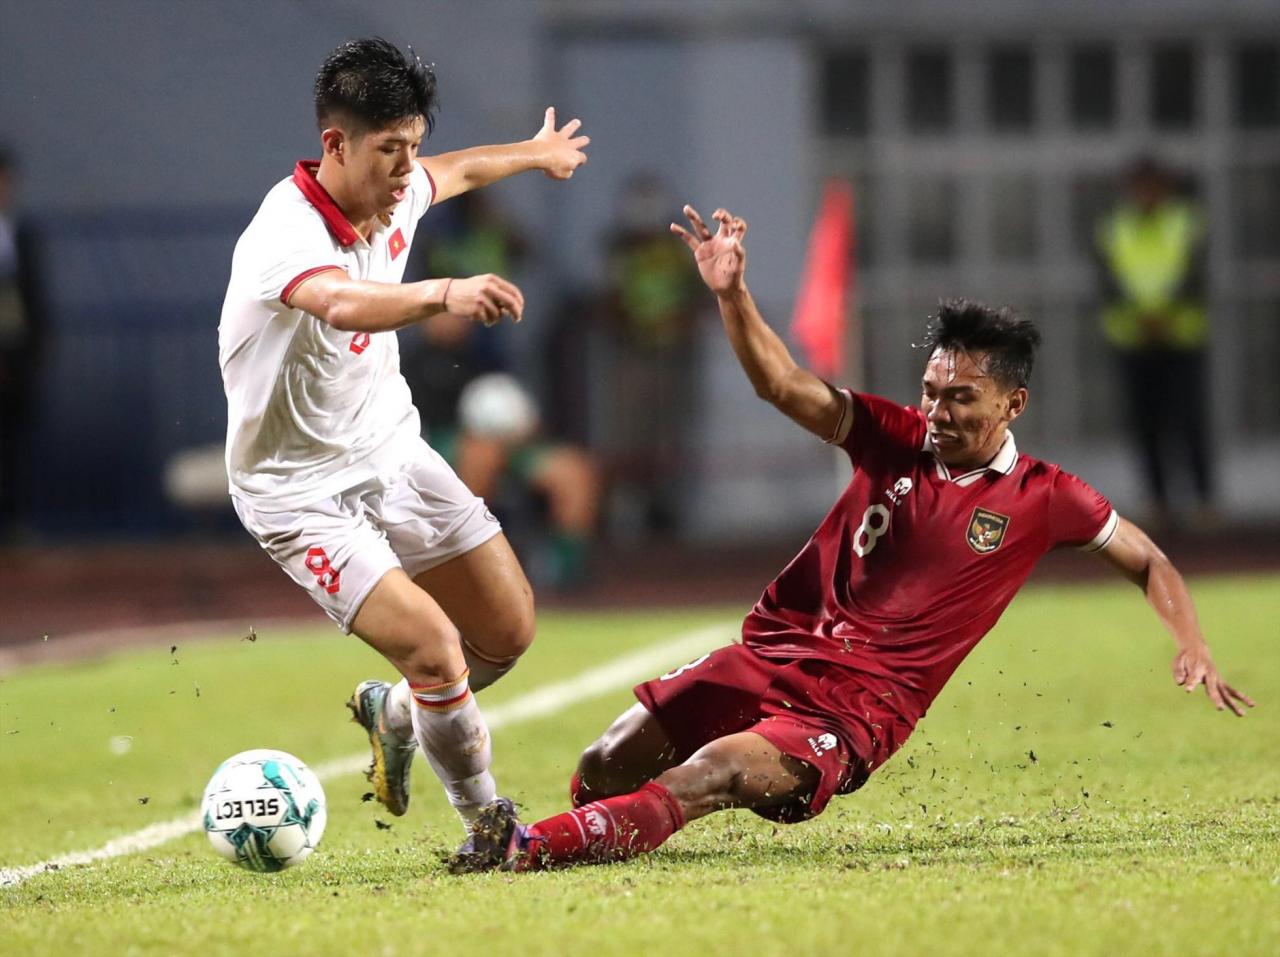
[(789, 703)]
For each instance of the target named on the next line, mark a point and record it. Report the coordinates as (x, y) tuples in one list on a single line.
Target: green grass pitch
[(1062, 797)]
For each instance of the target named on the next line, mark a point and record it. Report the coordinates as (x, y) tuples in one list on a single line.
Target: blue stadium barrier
[(130, 369)]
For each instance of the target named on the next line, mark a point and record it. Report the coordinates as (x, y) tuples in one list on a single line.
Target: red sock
[(609, 830)]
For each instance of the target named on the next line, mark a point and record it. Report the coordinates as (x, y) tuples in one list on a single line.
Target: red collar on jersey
[(304, 177)]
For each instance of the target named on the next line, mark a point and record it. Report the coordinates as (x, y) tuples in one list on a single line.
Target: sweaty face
[(377, 165), (967, 410)]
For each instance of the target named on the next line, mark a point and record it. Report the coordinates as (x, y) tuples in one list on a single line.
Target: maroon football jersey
[(914, 564)]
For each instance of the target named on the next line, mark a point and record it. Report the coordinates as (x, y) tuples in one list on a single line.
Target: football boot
[(392, 754)]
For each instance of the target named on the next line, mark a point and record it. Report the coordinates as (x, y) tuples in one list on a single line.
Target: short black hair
[(1009, 341), (369, 84)]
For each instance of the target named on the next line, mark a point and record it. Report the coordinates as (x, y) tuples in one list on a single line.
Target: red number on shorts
[(328, 576), (359, 342)]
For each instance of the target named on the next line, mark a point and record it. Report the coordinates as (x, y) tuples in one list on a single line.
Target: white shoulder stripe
[(1103, 538)]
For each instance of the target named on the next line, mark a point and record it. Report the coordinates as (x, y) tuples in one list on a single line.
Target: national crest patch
[(986, 530), (396, 243)]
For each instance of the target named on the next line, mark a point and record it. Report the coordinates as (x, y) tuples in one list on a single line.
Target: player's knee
[(601, 767), (513, 634), (576, 469), (593, 765), (521, 632), (435, 657)]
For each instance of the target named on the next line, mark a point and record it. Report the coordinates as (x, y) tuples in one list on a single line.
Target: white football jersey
[(312, 411)]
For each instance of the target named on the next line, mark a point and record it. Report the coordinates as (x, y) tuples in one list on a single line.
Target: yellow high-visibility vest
[(1149, 255)]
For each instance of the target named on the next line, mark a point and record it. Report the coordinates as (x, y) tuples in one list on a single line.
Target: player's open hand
[(484, 298), (564, 150), (721, 257), (1195, 667)]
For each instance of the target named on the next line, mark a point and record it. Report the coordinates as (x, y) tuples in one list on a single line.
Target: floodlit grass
[(1063, 797)]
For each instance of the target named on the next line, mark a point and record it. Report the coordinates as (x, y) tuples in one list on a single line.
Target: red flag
[(396, 243), (819, 324)]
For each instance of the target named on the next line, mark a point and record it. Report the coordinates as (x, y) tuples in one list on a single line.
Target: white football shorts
[(337, 549)]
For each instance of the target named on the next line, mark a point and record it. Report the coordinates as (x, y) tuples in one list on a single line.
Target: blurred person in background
[(648, 313), (1151, 250), (485, 422), (500, 440), (21, 328), (940, 526), (325, 458)]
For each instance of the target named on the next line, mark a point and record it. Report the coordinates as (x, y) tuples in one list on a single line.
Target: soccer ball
[(264, 810), (496, 406)]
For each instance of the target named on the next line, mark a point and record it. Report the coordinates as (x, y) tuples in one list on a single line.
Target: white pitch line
[(536, 704)]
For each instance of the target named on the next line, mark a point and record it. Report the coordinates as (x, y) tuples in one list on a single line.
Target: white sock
[(398, 709), (453, 735)]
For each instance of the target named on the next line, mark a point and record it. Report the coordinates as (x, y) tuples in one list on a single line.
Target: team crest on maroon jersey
[(986, 530)]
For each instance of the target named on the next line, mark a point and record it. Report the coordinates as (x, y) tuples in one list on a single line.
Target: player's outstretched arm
[(1138, 558), (794, 391), (358, 305), (556, 152)]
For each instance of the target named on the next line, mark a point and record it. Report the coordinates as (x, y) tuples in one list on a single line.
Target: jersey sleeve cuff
[(1103, 538), (299, 279), (845, 424)]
